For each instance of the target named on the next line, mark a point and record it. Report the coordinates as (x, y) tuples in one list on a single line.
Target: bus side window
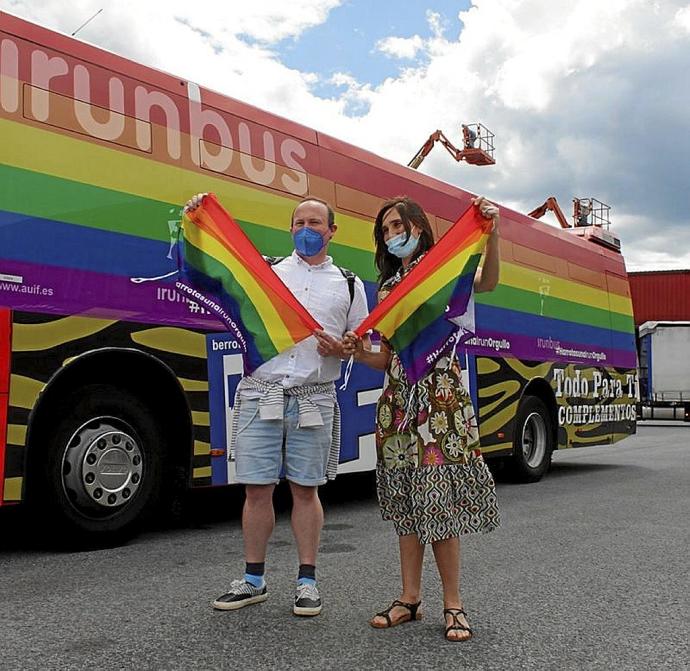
[(224, 160), (592, 277), (77, 116)]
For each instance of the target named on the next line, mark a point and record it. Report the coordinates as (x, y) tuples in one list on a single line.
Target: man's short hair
[(314, 199)]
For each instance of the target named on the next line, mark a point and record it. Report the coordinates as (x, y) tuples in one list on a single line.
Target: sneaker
[(240, 594), (307, 600)]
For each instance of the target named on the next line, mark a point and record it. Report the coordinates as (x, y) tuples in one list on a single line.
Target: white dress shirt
[(324, 292)]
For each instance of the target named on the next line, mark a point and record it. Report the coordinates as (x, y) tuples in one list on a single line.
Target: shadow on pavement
[(17, 534), (561, 469), (197, 509), (662, 424), (206, 506)]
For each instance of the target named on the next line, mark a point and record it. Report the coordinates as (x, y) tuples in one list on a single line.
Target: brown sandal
[(415, 614), (456, 625)]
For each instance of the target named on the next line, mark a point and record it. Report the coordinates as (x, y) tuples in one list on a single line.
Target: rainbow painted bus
[(113, 385)]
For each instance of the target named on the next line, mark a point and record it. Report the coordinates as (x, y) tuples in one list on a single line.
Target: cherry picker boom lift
[(478, 146)]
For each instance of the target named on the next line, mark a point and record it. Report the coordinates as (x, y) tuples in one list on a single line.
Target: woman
[(432, 481)]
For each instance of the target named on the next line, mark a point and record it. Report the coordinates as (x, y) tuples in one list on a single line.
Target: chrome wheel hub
[(534, 440), (103, 465)]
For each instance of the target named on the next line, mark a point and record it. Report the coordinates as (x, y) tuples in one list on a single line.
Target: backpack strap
[(347, 274), (350, 277)]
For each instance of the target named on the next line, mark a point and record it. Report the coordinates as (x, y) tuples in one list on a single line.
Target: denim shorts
[(267, 449)]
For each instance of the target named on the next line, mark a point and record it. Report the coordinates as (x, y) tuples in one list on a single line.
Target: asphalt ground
[(588, 571)]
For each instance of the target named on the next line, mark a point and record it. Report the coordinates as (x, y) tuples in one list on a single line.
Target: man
[(583, 210), (286, 418), (469, 136)]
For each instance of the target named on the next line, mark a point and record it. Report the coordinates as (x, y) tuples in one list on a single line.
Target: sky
[(585, 98)]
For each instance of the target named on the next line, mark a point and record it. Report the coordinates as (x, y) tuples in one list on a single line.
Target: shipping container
[(660, 295)]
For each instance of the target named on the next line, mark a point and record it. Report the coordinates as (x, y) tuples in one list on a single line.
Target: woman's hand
[(193, 202), (488, 211), (487, 275), (352, 345), (360, 348)]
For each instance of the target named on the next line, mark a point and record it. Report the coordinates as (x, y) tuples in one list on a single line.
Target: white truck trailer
[(664, 351)]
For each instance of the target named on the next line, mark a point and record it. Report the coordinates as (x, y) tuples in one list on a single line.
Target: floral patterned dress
[(431, 478)]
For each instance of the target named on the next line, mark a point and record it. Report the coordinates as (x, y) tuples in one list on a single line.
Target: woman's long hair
[(410, 213)]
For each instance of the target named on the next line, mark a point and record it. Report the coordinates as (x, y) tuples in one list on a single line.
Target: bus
[(114, 387)]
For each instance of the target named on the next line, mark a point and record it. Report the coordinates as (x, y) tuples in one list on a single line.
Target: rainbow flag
[(415, 316), (226, 275)]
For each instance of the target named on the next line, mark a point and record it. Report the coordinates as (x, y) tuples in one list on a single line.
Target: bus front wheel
[(533, 441), (101, 466)]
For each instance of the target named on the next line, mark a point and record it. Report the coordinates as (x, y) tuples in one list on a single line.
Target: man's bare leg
[(258, 520), (307, 520)]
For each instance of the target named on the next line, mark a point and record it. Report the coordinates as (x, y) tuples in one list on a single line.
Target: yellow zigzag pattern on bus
[(490, 423), (184, 343), (201, 418), (24, 391), (581, 440), (13, 489), (16, 434), (485, 366), (40, 337), (529, 372), (496, 447), (173, 340), (201, 449), (193, 385)]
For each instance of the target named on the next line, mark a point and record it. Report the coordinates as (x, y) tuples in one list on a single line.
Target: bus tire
[(532, 441), (100, 469)]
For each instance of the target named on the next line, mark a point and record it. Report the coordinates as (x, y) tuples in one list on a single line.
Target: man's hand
[(193, 202), (328, 345)]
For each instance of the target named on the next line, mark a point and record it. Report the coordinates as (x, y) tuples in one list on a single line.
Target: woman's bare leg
[(447, 555), (411, 561)]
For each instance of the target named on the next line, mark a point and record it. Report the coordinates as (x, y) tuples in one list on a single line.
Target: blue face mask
[(398, 247), (308, 242)]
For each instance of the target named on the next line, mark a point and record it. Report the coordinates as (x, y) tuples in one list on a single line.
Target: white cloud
[(682, 18), (225, 46), (267, 21), (579, 104), (400, 47), (410, 47)]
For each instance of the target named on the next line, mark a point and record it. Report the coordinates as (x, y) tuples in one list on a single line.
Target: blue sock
[(254, 574), (256, 580), (306, 574)]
